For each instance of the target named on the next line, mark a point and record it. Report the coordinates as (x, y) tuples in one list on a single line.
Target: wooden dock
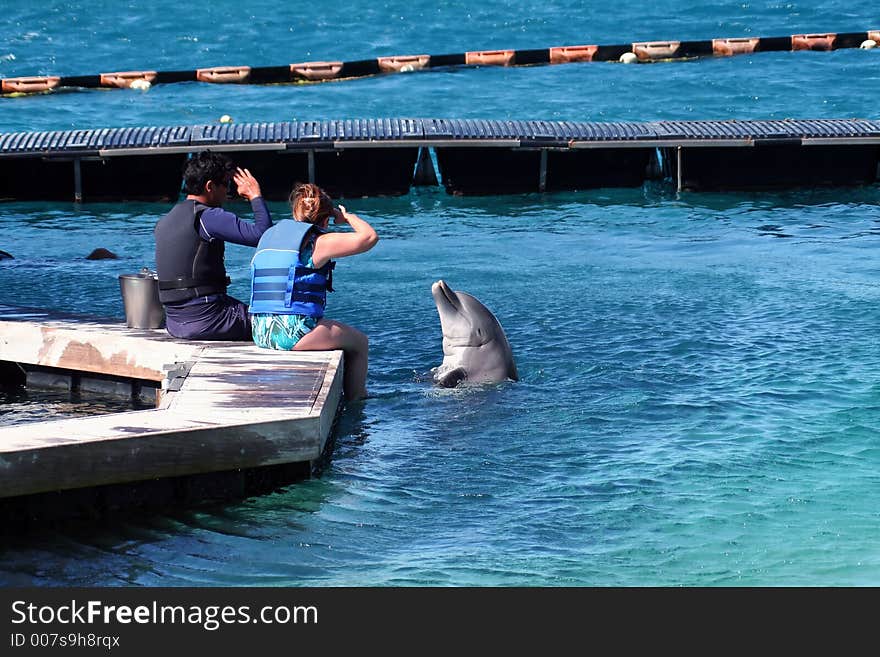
[(220, 406)]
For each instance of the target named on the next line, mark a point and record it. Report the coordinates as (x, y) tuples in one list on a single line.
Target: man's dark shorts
[(215, 317)]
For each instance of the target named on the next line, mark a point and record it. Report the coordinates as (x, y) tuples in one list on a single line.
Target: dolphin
[(475, 348), (102, 254)]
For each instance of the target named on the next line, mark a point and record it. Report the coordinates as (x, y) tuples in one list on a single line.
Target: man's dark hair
[(205, 166)]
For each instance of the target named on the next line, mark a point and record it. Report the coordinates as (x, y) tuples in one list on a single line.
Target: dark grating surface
[(299, 133), (788, 128), (360, 130)]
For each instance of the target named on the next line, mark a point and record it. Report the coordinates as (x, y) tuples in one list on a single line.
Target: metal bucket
[(140, 296)]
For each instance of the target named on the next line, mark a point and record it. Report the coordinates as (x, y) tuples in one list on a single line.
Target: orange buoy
[(29, 85), (654, 50), (316, 71), (490, 58), (813, 41), (124, 79), (727, 47), (567, 54), (224, 74), (403, 63)]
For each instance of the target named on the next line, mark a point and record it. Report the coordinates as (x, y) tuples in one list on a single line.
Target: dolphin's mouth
[(454, 322), (442, 293)]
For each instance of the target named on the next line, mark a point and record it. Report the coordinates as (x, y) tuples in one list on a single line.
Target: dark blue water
[(699, 394)]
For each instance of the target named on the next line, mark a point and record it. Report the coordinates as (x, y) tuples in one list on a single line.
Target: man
[(190, 244)]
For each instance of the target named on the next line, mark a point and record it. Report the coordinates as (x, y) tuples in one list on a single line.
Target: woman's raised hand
[(339, 215)]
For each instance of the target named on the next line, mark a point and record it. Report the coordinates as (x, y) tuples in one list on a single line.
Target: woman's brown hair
[(310, 203)]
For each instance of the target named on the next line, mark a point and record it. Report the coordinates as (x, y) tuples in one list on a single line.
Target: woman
[(291, 274)]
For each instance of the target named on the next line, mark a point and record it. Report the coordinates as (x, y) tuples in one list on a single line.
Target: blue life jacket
[(280, 283)]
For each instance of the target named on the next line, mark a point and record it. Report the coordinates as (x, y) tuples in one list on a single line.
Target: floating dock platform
[(218, 406), (385, 157)]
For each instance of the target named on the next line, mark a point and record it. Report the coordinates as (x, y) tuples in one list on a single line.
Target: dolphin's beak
[(442, 293)]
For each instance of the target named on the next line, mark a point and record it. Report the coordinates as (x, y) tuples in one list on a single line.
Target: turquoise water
[(699, 394)]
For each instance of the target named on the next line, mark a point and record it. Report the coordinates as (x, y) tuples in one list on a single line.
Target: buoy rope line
[(313, 72)]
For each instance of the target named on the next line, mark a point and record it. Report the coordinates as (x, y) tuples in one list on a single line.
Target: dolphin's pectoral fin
[(451, 378)]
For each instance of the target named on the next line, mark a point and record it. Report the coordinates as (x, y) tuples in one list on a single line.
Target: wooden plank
[(191, 450), (239, 407), (90, 346)]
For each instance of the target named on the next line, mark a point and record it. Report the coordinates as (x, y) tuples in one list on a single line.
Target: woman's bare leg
[(330, 334)]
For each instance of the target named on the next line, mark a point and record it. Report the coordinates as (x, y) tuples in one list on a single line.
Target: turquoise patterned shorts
[(280, 332)]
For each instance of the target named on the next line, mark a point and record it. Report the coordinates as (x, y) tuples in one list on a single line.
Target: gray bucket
[(140, 296)]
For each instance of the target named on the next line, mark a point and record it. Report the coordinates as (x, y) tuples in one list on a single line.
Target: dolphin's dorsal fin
[(452, 378)]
